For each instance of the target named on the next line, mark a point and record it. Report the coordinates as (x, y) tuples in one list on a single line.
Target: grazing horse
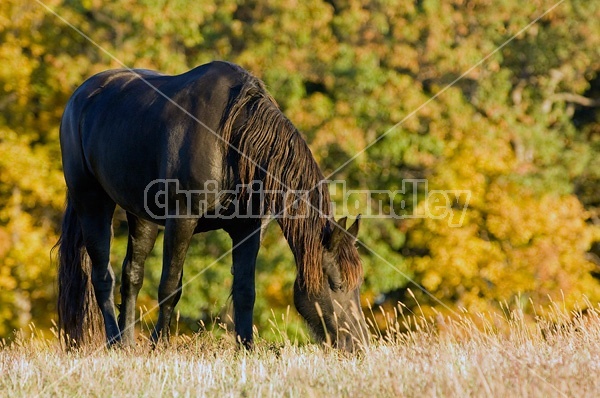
[(153, 144)]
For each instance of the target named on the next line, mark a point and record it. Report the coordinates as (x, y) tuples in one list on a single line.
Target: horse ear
[(338, 230), (353, 230)]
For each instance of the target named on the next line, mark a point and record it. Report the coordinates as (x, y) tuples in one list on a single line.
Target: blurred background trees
[(521, 132)]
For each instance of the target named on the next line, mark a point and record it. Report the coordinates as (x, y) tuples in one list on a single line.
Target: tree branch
[(576, 98)]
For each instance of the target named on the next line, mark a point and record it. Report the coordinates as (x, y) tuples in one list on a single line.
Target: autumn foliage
[(520, 132)]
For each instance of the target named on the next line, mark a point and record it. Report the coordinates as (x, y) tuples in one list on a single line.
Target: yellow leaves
[(4, 242), (15, 72), (431, 281), (29, 253), (30, 169), (345, 74), (343, 132), (533, 245), (404, 56), (26, 272), (312, 112), (513, 240), (276, 293), (7, 282), (518, 222)]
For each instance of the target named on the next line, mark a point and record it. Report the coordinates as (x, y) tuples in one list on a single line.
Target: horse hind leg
[(142, 236), (95, 210)]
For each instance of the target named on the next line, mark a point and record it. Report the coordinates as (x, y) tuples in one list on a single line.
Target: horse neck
[(303, 224)]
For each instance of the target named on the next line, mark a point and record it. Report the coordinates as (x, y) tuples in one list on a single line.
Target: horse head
[(333, 312)]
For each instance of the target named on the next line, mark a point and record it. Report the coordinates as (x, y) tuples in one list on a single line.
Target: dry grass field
[(559, 356)]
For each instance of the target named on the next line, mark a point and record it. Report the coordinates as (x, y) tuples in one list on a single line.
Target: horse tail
[(79, 318)]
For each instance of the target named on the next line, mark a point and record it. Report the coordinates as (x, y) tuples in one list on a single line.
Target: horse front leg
[(178, 233), (246, 242), (142, 235)]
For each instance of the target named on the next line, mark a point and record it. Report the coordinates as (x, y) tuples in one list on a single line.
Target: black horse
[(128, 137)]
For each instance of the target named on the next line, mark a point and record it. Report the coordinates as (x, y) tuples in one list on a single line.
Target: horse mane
[(254, 124)]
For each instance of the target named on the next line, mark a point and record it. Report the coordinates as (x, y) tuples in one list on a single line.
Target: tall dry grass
[(557, 356)]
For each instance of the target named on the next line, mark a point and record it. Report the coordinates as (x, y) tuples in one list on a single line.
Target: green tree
[(520, 132)]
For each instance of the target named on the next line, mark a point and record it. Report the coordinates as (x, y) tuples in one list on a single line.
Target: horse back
[(124, 129)]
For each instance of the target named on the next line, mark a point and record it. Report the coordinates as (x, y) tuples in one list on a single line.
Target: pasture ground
[(558, 356)]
